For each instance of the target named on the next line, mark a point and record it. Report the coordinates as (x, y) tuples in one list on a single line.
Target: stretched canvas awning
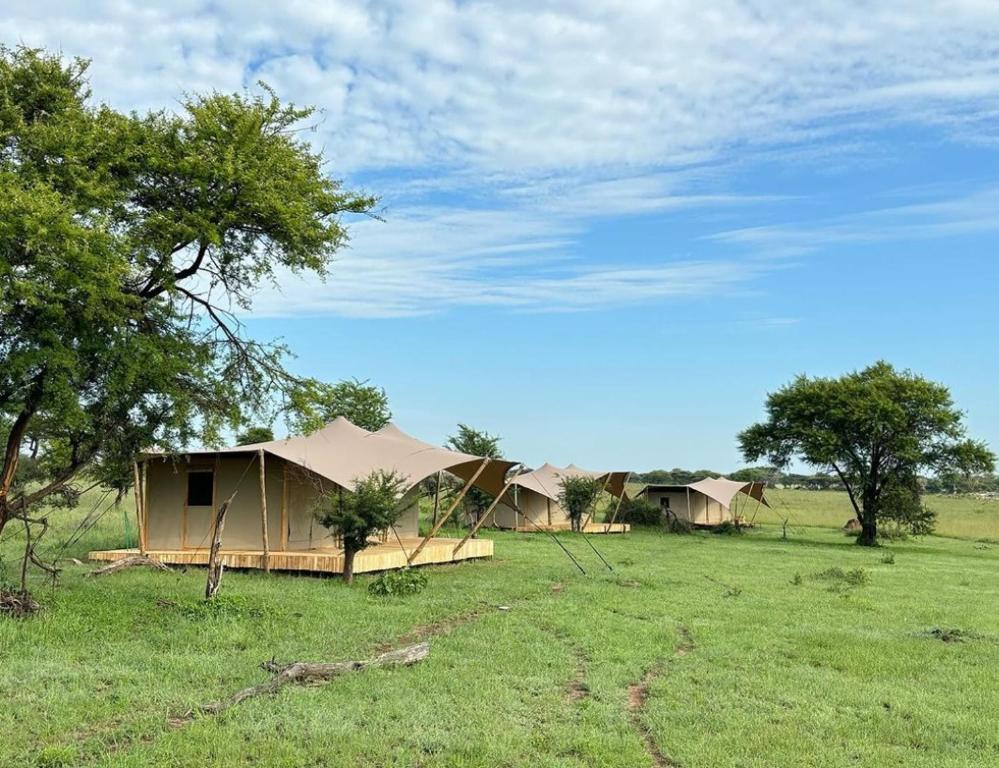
[(345, 453), (547, 479), (723, 490)]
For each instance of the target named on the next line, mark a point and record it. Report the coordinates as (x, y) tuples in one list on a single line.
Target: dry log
[(130, 562), (317, 673), (214, 580)]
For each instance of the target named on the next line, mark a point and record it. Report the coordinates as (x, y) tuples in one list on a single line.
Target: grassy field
[(698, 650)]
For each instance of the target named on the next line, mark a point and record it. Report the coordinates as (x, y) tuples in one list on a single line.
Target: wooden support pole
[(593, 506), (437, 499), (139, 527), (617, 508), (450, 511), (690, 514), (484, 517), (263, 513)]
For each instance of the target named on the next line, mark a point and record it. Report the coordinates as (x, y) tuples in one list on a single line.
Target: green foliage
[(357, 515), (223, 606), (902, 506), (55, 756), (577, 495), (476, 443), (855, 577), (639, 511), (727, 528), (124, 238), (405, 581), (868, 427), (888, 558), (313, 404), (252, 435)]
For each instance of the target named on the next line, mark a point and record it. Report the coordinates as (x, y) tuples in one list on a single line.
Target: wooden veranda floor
[(379, 557)]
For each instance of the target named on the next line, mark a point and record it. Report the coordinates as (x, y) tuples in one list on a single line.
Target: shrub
[(56, 757), (407, 581), (727, 528), (889, 559), (222, 606), (854, 578), (639, 511)]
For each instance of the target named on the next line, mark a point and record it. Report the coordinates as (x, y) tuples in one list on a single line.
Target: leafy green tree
[(358, 515), (252, 435), (126, 243), (869, 427), (577, 495), (477, 443), (902, 506), (312, 404)]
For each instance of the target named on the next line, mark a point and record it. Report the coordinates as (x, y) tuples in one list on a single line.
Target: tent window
[(200, 488), (664, 502)]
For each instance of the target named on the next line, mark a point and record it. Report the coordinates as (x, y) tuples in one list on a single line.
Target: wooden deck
[(567, 528), (380, 557)]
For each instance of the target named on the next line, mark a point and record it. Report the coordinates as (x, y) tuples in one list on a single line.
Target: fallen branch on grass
[(129, 562), (316, 673)]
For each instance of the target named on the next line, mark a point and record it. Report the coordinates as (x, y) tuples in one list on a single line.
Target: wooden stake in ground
[(214, 560), (137, 480), (317, 673), (263, 514)]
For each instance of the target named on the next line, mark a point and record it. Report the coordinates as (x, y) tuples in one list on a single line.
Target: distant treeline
[(812, 482)]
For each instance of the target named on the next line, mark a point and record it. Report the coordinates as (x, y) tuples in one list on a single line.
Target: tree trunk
[(348, 562), (869, 521), (868, 531), (215, 566)]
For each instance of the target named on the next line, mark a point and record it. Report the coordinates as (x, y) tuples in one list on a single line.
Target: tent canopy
[(723, 490), (547, 479), (345, 453)]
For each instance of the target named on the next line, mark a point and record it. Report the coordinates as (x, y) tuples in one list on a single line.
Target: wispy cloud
[(541, 118), (948, 217)]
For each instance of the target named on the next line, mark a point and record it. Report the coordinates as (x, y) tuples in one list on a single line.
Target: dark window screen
[(200, 487)]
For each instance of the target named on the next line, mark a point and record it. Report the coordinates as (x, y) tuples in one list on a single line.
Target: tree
[(577, 495), (869, 427), (126, 243), (312, 404), (252, 435), (357, 515), (476, 443)]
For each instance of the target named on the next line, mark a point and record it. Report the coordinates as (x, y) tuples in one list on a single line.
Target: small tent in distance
[(532, 501), (707, 502), (271, 524)]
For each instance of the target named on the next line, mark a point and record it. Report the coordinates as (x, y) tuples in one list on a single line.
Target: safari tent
[(706, 502), (270, 522), (531, 503)]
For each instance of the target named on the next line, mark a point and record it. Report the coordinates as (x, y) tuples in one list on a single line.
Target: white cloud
[(549, 113)]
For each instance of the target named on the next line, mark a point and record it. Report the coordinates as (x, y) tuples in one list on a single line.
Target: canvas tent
[(271, 521), (705, 502), (532, 503)]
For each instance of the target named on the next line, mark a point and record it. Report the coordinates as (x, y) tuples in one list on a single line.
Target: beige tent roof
[(547, 479), (723, 490), (344, 453)]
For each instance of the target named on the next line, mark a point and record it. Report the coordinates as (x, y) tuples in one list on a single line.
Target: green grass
[(756, 652)]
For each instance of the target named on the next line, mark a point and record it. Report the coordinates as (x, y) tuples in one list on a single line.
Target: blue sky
[(610, 229)]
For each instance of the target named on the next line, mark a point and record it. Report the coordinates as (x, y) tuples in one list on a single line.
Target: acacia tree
[(357, 515), (312, 404), (577, 495), (127, 241), (875, 428), (477, 443), (252, 435)]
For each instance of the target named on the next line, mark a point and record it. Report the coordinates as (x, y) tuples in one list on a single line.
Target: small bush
[(854, 578), (797, 580), (407, 581), (727, 528), (222, 606), (56, 757), (639, 511), (889, 558)]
